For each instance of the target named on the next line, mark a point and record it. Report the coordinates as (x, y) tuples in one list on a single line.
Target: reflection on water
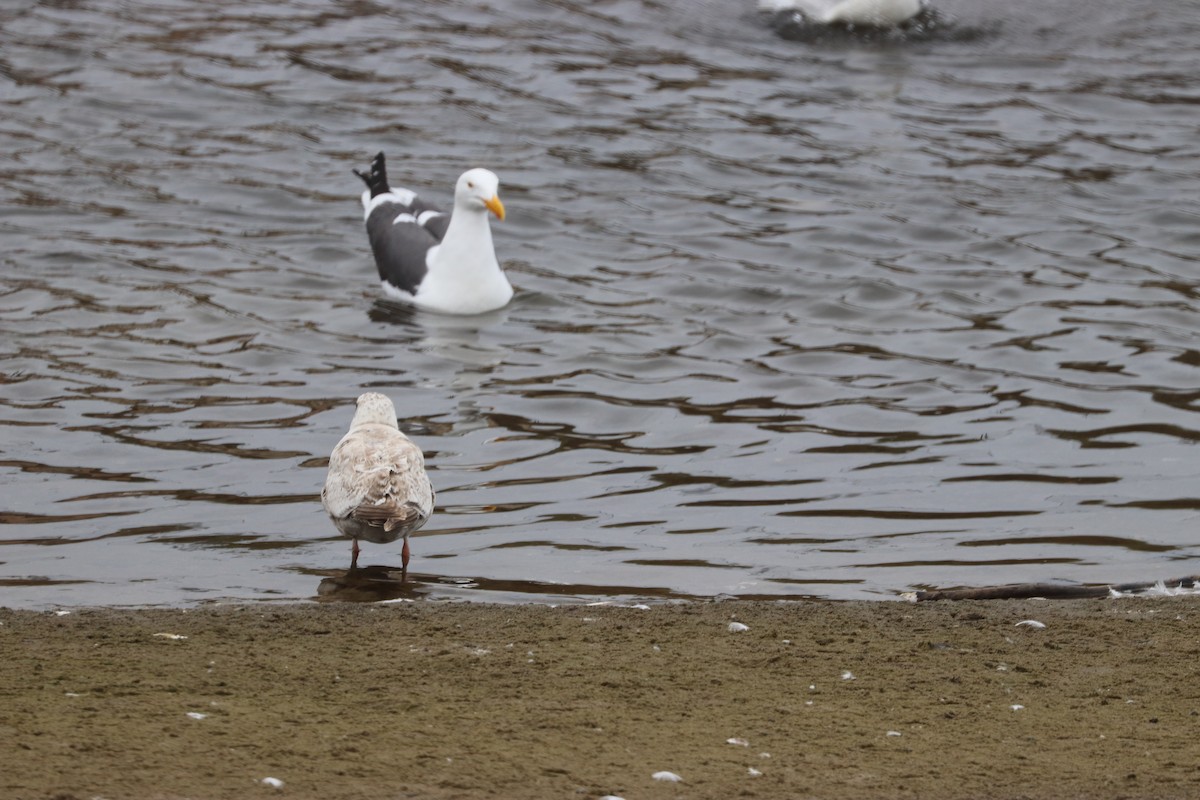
[(369, 585), (797, 315)]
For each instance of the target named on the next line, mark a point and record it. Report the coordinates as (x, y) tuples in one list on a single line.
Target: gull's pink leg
[(404, 561), (354, 555)]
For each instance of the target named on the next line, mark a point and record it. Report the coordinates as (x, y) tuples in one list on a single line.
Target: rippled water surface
[(797, 315)]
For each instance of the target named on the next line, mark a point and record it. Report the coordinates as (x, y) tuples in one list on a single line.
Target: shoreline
[(459, 700)]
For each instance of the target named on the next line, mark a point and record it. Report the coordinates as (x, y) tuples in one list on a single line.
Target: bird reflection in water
[(369, 585)]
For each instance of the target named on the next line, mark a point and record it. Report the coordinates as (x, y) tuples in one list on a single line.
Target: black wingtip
[(376, 179)]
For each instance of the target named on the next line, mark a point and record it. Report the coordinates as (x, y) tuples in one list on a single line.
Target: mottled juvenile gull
[(875, 13), (433, 260), (377, 488)]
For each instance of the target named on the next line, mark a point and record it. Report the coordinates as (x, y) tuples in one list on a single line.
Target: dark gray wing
[(436, 223), (400, 242)]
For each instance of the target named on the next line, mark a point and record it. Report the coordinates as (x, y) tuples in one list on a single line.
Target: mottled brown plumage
[(377, 488)]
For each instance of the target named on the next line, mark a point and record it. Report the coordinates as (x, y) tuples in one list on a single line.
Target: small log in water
[(1047, 590)]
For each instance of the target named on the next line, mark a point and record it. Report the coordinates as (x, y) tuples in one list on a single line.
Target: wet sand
[(439, 700)]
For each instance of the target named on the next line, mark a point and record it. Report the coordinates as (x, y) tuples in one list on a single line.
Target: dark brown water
[(822, 316)]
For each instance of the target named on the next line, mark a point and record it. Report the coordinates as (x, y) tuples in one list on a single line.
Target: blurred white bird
[(876, 13), (377, 488)]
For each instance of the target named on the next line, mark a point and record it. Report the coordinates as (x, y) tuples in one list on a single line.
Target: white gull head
[(478, 190), (374, 409)]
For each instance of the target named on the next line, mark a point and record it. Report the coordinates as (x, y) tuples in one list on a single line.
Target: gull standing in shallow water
[(377, 488), (433, 260)]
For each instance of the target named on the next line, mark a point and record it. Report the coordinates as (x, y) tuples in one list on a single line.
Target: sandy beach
[(441, 700)]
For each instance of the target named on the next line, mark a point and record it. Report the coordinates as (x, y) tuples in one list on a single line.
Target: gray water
[(797, 315)]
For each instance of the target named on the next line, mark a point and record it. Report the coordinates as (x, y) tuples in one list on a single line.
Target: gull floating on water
[(377, 488), (433, 260), (875, 13)]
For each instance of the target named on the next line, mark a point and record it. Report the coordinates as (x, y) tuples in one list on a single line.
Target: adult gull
[(377, 488), (433, 260)]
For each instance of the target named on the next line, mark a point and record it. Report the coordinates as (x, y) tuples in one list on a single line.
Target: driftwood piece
[(1047, 590)]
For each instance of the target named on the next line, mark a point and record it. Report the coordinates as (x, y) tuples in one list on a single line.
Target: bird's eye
[(470, 185)]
